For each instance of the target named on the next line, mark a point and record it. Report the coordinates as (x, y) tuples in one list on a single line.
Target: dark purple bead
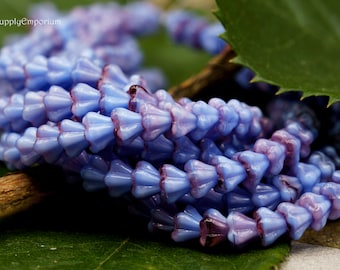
[(214, 228)]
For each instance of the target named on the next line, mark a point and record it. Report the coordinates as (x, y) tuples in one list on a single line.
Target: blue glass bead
[(130, 148), (59, 71), (11, 154), (118, 179), (298, 218), (271, 225), (175, 21), (332, 192), (113, 75), (112, 97), (209, 38), (274, 151), (4, 121), (99, 131), (25, 145), (203, 177), (266, 196), (305, 136), (183, 121), (292, 145), (324, 163), (184, 150), (336, 177), (47, 144), (94, 173), (318, 205), (13, 112), (84, 99), (158, 150), (209, 150), (154, 79), (34, 110), (186, 225), (174, 183), (238, 200), (155, 121), (85, 71), (161, 220), (331, 152), (242, 229), (289, 187), (207, 116), (228, 117), (164, 99), (128, 124), (36, 73), (142, 18), (230, 173), (255, 164), (145, 180), (214, 228), (16, 75), (245, 117), (255, 128), (308, 175), (72, 137), (58, 104), (212, 199), (138, 96), (230, 145)]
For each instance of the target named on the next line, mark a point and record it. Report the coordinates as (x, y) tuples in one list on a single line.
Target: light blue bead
[(34, 110), (245, 117), (36, 73), (210, 39), (47, 143), (332, 192), (72, 137), (271, 225), (155, 121), (118, 179), (183, 121), (187, 225), (203, 177), (128, 124), (174, 183), (114, 76), (59, 71), (308, 175), (58, 104), (85, 99), (255, 164), (324, 163), (241, 229), (145, 180), (25, 145), (298, 218), (112, 97), (266, 196), (13, 112), (85, 71), (99, 131), (230, 173)]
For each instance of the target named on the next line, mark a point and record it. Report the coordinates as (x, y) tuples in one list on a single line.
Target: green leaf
[(92, 231), (293, 44)]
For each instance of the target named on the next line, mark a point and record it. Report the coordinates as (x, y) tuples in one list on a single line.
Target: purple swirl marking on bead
[(289, 186), (332, 192)]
